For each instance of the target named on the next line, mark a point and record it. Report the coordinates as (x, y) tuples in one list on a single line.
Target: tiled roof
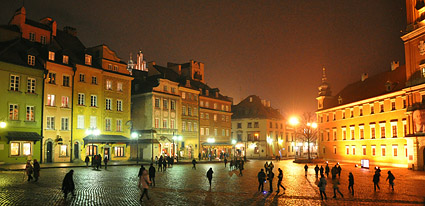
[(254, 109), (17, 51), (37, 24)]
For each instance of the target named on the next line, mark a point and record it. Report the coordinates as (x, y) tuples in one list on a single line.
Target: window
[(382, 107), (215, 132), (108, 85), (31, 60), (223, 132), (108, 124), (30, 113), (18, 148), (173, 105), (172, 124), (119, 105), (165, 88), (15, 148), (271, 125), (215, 117), (215, 105), (393, 105), (354, 149), (189, 111), (14, 82), (334, 149), (32, 36), (195, 126), (93, 100), (201, 103), (87, 59), (119, 125), (227, 132), (202, 131), (189, 126), (119, 151), (394, 129), (183, 95), (202, 115), (93, 122), (94, 80), (207, 131), (373, 150), (164, 104), (344, 133), (183, 110), (108, 104), (352, 133), (239, 125), (173, 90), (50, 123), (63, 150), (372, 131), (364, 149), (164, 123), (328, 134), (65, 59), (91, 150), (183, 126), (65, 123), (82, 78), (405, 150), (31, 85), (51, 56), (334, 134), (51, 79), (361, 111), (26, 148), (404, 128), (227, 118), (395, 151), (361, 132), (207, 104), (119, 87), (227, 107), (110, 66), (347, 148), (65, 81), (81, 99), (256, 125), (207, 116), (156, 122), (43, 39), (383, 150), (382, 130), (65, 102), (157, 104), (80, 122), (372, 109), (50, 100)]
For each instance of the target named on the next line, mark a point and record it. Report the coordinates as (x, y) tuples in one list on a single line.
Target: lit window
[(119, 125), (50, 123), (65, 102), (119, 105), (91, 149), (108, 84), (183, 126), (63, 150), (50, 100), (13, 111), (65, 59), (15, 148), (51, 78), (31, 60), (156, 122), (31, 85), (115, 68), (119, 87), (26, 148), (30, 113), (51, 56), (172, 123), (88, 59), (164, 123), (14, 82), (207, 131), (215, 105), (215, 132), (215, 117), (183, 95), (65, 123), (93, 122), (80, 122), (107, 124), (202, 131), (119, 151)]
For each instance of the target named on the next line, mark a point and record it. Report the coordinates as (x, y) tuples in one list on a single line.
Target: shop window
[(119, 151), (91, 149), (63, 151)]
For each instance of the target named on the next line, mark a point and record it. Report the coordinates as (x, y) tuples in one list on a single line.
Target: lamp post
[(234, 148), (177, 138), (210, 140), (94, 133), (294, 122), (135, 135)]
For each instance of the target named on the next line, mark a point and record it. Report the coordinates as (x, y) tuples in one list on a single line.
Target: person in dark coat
[(194, 164), (266, 167), (327, 170), (36, 168), (321, 170), (351, 183), (231, 164), (99, 160), (279, 181), (261, 178), (334, 171), (160, 163), (339, 171), (225, 162), (270, 178), (152, 174), (105, 161), (335, 182), (240, 168), (390, 177), (142, 168), (29, 170), (322, 187), (87, 160), (376, 177), (316, 170), (210, 175), (306, 169), (164, 164), (68, 184)]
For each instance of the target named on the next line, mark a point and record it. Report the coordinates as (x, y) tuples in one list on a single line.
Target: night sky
[(273, 49)]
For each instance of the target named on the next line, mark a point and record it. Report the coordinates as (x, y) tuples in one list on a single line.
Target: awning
[(23, 136), (105, 139), (145, 131), (217, 144), (148, 141)]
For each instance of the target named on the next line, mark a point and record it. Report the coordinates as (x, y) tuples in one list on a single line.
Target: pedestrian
[(266, 167), (68, 184), (327, 170), (87, 160), (261, 178), (194, 164), (156, 161), (169, 160), (321, 170), (199, 156), (271, 166), (29, 170), (390, 178), (144, 185), (334, 171), (270, 178), (160, 163), (105, 161), (210, 175), (152, 174), (351, 183), (335, 182), (322, 187), (225, 162), (141, 170), (306, 169), (240, 168), (316, 170), (36, 169), (279, 181), (99, 161), (339, 171), (231, 164), (164, 164), (376, 180), (96, 160)]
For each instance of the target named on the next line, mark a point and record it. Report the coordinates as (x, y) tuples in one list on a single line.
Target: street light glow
[(294, 121), (134, 135), (2, 124), (211, 140), (314, 125), (234, 141)]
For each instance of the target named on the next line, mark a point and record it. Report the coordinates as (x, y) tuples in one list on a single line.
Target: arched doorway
[(49, 152), (76, 150)]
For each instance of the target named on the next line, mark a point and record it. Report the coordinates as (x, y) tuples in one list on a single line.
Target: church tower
[(325, 93)]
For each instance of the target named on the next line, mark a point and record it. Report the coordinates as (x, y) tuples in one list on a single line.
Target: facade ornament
[(421, 47)]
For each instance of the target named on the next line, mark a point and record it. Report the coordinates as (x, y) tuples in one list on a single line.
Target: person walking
[(141, 170), (322, 187), (194, 164), (231, 164), (36, 168), (316, 170), (261, 178), (334, 171), (29, 170), (270, 178), (390, 178), (351, 183), (327, 170), (241, 168), (87, 160), (210, 175), (339, 171), (321, 170), (306, 169), (68, 185), (152, 174), (271, 166), (164, 164), (225, 162), (266, 167), (160, 163), (144, 185), (105, 161), (376, 177), (335, 182), (279, 181), (156, 161)]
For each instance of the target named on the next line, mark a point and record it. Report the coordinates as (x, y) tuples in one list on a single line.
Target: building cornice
[(415, 33)]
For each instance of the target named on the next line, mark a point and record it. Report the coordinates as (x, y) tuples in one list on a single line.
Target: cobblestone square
[(181, 185)]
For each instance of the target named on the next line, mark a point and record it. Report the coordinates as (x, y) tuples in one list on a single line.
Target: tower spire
[(324, 89), (324, 79)]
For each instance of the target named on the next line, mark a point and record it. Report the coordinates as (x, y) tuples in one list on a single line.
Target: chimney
[(364, 76), (187, 82), (70, 30), (394, 65), (19, 17)]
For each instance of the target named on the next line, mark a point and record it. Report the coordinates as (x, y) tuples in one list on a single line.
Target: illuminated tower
[(324, 91), (140, 63)]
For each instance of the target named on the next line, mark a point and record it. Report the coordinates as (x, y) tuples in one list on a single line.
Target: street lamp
[(210, 140), (135, 135), (294, 122), (3, 125), (94, 133), (176, 138), (234, 147)]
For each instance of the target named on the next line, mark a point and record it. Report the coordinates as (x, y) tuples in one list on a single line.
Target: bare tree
[(306, 130)]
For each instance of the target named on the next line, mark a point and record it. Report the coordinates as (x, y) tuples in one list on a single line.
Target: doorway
[(76, 150), (106, 153), (49, 152)]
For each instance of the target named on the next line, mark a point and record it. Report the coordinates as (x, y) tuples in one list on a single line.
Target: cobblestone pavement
[(182, 185)]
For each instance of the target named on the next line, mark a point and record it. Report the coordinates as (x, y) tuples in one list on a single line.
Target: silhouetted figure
[(261, 178), (156, 161), (270, 178), (87, 160), (240, 168), (266, 167), (194, 164), (351, 183), (321, 170), (327, 170), (68, 184), (29, 170), (336, 183), (225, 162), (160, 163), (279, 181), (141, 170), (105, 161), (164, 164), (316, 170), (271, 167), (210, 175), (152, 174), (334, 171), (306, 169), (322, 187), (376, 180), (390, 178), (231, 164), (144, 185), (339, 171), (36, 168)]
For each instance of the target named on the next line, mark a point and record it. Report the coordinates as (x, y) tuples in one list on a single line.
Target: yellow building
[(190, 120)]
